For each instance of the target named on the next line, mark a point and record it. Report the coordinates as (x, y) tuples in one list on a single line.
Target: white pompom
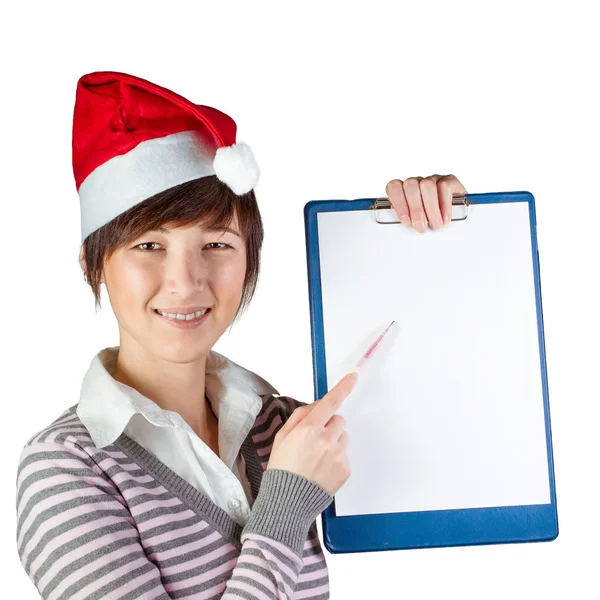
[(236, 167)]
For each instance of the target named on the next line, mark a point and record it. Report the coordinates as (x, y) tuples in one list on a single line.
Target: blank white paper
[(449, 413)]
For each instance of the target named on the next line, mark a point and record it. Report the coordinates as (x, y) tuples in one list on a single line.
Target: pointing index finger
[(332, 400)]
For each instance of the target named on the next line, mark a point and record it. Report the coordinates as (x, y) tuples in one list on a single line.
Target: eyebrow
[(213, 228)]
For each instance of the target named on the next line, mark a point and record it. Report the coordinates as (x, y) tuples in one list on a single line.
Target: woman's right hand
[(313, 441)]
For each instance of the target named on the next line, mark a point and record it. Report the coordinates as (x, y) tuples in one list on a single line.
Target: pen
[(369, 353)]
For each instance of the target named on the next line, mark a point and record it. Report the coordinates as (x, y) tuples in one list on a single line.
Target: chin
[(181, 351), (182, 346)]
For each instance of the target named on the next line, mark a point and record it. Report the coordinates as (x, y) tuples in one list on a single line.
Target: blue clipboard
[(432, 528)]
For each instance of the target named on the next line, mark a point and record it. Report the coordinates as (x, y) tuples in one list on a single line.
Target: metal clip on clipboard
[(386, 203)]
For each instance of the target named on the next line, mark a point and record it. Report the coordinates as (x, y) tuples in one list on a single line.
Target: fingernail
[(421, 226), (405, 220), (437, 223), (446, 219)]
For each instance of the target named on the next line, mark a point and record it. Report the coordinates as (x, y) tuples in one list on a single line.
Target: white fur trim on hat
[(236, 167), (151, 167)]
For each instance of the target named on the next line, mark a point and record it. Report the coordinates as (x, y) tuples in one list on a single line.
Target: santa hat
[(133, 139)]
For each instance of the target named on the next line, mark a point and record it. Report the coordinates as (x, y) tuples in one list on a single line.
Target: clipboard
[(449, 436)]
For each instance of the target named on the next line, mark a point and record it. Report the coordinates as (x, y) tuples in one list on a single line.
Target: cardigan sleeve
[(75, 534), (77, 538)]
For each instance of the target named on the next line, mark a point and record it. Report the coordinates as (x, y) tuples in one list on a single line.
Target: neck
[(179, 387)]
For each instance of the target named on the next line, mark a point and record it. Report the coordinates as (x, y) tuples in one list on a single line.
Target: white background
[(335, 99)]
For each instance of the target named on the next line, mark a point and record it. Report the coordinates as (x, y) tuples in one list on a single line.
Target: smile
[(182, 317), (184, 321)]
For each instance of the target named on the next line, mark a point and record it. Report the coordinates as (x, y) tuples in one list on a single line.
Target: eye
[(145, 244), (219, 243)]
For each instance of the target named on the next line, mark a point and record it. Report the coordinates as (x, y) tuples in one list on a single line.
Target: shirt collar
[(106, 405)]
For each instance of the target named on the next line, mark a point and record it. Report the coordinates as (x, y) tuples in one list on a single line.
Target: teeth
[(181, 317)]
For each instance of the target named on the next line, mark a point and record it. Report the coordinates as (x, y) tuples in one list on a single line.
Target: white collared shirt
[(108, 407)]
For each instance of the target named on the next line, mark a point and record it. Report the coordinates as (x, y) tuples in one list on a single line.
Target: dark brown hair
[(206, 201)]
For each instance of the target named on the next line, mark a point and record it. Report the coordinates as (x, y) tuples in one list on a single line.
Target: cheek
[(230, 273), (129, 284), (228, 277)]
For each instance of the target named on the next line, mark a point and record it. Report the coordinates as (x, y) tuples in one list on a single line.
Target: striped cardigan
[(115, 522)]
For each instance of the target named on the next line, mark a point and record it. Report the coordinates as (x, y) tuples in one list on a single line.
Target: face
[(177, 271)]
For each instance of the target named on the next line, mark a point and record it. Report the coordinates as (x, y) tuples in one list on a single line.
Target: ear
[(82, 259), (83, 265)]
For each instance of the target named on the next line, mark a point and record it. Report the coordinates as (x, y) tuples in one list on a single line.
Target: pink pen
[(369, 353)]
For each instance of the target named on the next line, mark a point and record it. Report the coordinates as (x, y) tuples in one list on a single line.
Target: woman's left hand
[(418, 200)]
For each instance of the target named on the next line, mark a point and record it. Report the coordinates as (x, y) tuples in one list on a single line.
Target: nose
[(186, 274)]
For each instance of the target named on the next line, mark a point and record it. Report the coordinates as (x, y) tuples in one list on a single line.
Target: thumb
[(291, 422)]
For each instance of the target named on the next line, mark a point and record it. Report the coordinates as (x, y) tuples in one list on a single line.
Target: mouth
[(185, 321)]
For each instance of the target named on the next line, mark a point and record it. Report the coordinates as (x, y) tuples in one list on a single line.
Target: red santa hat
[(133, 139)]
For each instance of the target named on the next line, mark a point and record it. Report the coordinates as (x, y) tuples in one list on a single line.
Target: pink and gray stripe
[(115, 522)]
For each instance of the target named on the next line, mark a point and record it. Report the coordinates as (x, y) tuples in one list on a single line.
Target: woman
[(180, 473)]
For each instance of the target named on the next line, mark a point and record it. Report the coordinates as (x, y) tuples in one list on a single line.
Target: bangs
[(206, 201)]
